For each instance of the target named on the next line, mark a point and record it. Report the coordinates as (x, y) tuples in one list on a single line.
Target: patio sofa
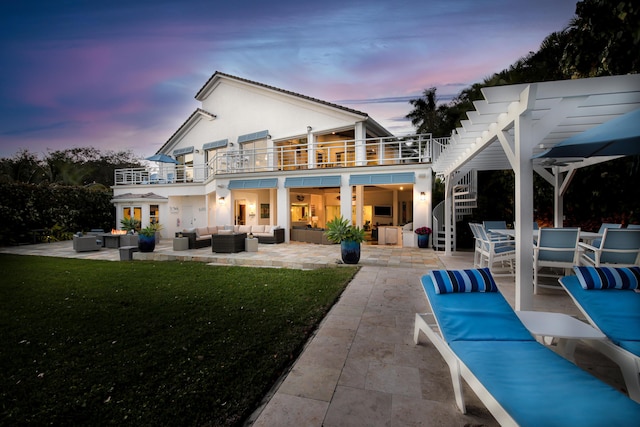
[(309, 235), (201, 237), (86, 243)]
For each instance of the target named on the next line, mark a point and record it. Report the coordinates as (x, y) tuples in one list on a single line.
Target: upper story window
[(254, 153), (184, 168), (214, 156), (292, 154)]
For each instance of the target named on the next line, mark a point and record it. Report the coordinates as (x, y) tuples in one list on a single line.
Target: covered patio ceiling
[(515, 123), (557, 111)]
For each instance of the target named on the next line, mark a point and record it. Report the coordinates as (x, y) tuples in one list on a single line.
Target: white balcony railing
[(332, 154)]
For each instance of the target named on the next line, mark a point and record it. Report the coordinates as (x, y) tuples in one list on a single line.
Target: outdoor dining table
[(587, 236)]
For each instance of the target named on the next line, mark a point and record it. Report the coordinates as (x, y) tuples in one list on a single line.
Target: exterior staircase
[(464, 201)]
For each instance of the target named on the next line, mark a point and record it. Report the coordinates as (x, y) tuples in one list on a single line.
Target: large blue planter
[(350, 251), (423, 240), (146, 243)]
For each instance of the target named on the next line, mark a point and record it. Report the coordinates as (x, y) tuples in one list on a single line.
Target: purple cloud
[(123, 74)]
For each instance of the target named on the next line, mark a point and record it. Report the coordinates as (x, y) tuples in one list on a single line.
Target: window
[(184, 169), (154, 214)]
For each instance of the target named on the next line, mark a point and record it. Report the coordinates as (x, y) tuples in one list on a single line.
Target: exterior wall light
[(423, 196), (221, 200)]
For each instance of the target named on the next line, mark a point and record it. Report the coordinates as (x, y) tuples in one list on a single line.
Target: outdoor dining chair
[(604, 226), (555, 248), (620, 247), (489, 226), (477, 244), (498, 255)]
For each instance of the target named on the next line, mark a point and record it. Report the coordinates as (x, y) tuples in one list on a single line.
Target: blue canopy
[(162, 158), (617, 137)]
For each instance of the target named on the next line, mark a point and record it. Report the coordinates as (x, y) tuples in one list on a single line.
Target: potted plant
[(423, 236), (340, 230), (130, 224), (147, 238)]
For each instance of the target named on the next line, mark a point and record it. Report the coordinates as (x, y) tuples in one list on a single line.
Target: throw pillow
[(608, 277), (472, 280)]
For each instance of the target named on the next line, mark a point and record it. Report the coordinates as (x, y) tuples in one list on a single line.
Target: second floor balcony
[(288, 157)]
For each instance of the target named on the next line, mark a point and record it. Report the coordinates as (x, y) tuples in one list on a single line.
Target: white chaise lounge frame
[(628, 362), (459, 370)]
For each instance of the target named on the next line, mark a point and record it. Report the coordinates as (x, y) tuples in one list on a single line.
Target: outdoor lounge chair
[(519, 380), (616, 313)]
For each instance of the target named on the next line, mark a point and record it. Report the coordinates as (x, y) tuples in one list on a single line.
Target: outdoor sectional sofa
[(201, 237), (309, 235), (86, 243)]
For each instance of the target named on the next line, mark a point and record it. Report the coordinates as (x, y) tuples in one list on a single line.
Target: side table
[(251, 245), (568, 330), (180, 243)]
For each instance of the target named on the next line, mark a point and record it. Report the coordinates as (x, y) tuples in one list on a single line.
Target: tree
[(427, 116), (74, 166), (23, 167), (603, 39)]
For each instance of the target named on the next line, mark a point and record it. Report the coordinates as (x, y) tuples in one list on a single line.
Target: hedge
[(51, 212)]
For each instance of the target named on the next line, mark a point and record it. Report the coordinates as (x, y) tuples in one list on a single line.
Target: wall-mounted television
[(382, 211)]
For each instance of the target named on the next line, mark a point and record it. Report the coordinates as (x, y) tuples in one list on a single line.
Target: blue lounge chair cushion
[(537, 387), (608, 277), (475, 316), (476, 280), (615, 311)]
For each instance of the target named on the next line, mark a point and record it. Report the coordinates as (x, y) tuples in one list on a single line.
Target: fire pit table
[(111, 240)]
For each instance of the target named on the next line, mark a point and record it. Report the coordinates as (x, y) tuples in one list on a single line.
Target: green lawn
[(150, 343)]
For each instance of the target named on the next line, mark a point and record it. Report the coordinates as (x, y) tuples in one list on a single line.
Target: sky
[(122, 74)]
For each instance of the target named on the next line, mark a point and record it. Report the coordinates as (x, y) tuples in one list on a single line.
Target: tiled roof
[(308, 98)]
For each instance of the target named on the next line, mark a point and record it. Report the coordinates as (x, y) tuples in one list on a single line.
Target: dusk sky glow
[(122, 75)]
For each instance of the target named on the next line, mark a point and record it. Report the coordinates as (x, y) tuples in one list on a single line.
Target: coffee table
[(228, 243), (568, 330)]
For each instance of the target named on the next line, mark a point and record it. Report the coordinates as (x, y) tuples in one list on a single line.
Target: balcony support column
[(311, 150), (361, 144)]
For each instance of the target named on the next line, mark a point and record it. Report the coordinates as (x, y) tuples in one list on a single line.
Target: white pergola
[(513, 124)]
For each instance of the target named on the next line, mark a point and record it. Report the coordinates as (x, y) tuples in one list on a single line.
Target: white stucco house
[(254, 154)]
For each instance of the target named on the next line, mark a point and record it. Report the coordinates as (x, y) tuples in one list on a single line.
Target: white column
[(345, 198), (311, 150), (523, 169), (558, 200), (224, 209), (273, 207), (448, 203), (283, 209), (360, 144), (422, 209)]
